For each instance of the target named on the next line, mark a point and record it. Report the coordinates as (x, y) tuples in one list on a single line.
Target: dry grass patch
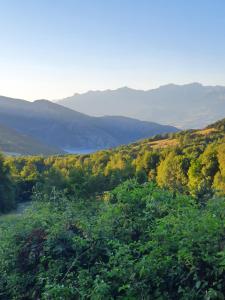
[(164, 143), (206, 131)]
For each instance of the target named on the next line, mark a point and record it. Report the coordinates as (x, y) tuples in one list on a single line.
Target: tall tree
[(7, 191)]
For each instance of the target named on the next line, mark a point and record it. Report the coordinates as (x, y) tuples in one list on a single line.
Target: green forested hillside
[(191, 162), (144, 221)]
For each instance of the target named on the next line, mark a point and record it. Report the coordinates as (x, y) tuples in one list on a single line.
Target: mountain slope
[(59, 126), (185, 106), (12, 142)]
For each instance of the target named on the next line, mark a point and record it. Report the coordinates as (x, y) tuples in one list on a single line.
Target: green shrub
[(141, 243)]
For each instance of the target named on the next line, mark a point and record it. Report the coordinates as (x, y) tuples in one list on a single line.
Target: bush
[(142, 242)]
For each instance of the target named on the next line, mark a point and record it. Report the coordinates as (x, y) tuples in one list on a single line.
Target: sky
[(50, 49)]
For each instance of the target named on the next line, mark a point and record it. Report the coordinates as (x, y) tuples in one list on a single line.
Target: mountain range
[(57, 129), (184, 106)]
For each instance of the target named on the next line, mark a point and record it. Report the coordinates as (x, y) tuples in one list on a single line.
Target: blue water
[(80, 151)]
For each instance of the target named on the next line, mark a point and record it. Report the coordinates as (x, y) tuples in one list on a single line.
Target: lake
[(80, 151)]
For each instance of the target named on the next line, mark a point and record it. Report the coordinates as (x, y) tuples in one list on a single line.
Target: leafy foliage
[(141, 242)]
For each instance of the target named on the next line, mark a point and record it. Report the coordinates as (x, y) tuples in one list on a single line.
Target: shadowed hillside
[(58, 126), (15, 143)]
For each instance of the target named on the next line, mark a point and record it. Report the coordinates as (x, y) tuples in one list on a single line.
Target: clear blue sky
[(54, 48)]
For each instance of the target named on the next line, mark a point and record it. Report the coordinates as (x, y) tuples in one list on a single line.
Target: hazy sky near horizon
[(54, 48)]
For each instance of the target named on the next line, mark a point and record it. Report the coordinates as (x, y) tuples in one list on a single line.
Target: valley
[(107, 224), (57, 128)]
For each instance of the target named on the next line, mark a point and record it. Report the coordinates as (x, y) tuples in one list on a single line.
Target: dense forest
[(143, 221)]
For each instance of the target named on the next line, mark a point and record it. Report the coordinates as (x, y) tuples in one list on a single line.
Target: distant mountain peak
[(90, 92), (172, 85), (124, 88), (42, 101)]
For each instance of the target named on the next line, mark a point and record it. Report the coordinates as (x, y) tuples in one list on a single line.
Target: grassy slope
[(213, 132)]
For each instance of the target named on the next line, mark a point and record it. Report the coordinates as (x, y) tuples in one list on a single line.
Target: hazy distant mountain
[(186, 106), (15, 143), (58, 126)]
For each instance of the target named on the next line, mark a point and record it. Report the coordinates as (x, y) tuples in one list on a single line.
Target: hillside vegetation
[(191, 162), (143, 221)]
